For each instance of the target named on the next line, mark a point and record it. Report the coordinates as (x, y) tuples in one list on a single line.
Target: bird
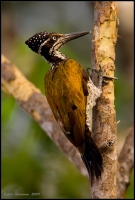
[(71, 95)]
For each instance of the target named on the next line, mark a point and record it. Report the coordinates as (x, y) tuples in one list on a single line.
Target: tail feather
[(92, 159)]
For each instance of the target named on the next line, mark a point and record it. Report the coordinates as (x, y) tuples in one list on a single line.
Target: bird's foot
[(103, 80)]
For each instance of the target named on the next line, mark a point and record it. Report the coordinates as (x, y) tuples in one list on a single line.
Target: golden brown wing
[(65, 87)]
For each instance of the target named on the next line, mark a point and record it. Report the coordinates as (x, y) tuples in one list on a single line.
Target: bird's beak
[(71, 36)]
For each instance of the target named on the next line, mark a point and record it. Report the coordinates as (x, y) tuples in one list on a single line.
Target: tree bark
[(104, 116)]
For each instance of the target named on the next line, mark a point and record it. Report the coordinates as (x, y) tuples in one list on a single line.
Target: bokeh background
[(31, 163)]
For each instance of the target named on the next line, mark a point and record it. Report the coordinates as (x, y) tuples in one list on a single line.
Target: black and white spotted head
[(36, 40), (47, 44)]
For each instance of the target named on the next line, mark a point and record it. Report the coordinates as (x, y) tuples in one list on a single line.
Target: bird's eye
[(54, 38)]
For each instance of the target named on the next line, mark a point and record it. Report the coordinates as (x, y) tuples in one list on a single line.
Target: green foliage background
[(31, 163)]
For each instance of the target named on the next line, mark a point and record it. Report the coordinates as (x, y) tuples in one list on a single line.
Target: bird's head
[(48, 44)]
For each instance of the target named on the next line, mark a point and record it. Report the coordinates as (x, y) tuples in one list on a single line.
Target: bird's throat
[(54, 58)]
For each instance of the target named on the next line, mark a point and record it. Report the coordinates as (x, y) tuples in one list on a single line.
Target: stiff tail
[(92, 158)]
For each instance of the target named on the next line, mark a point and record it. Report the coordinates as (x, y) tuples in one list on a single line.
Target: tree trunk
[(104, 116)]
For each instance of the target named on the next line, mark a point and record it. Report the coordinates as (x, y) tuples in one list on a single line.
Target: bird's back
[(65, 88)]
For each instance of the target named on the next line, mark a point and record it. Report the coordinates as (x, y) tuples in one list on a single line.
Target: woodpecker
[(71, 95)]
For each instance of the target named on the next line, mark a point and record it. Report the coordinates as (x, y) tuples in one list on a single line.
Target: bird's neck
[(54, 58)]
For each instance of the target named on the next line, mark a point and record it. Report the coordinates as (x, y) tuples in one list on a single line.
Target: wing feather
[(66, 93)]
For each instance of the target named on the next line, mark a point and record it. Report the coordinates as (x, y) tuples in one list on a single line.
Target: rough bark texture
[(104, 117), (35, 104), (126, 164)]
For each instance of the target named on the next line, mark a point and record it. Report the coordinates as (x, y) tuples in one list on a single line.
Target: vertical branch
[(104, 117)]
